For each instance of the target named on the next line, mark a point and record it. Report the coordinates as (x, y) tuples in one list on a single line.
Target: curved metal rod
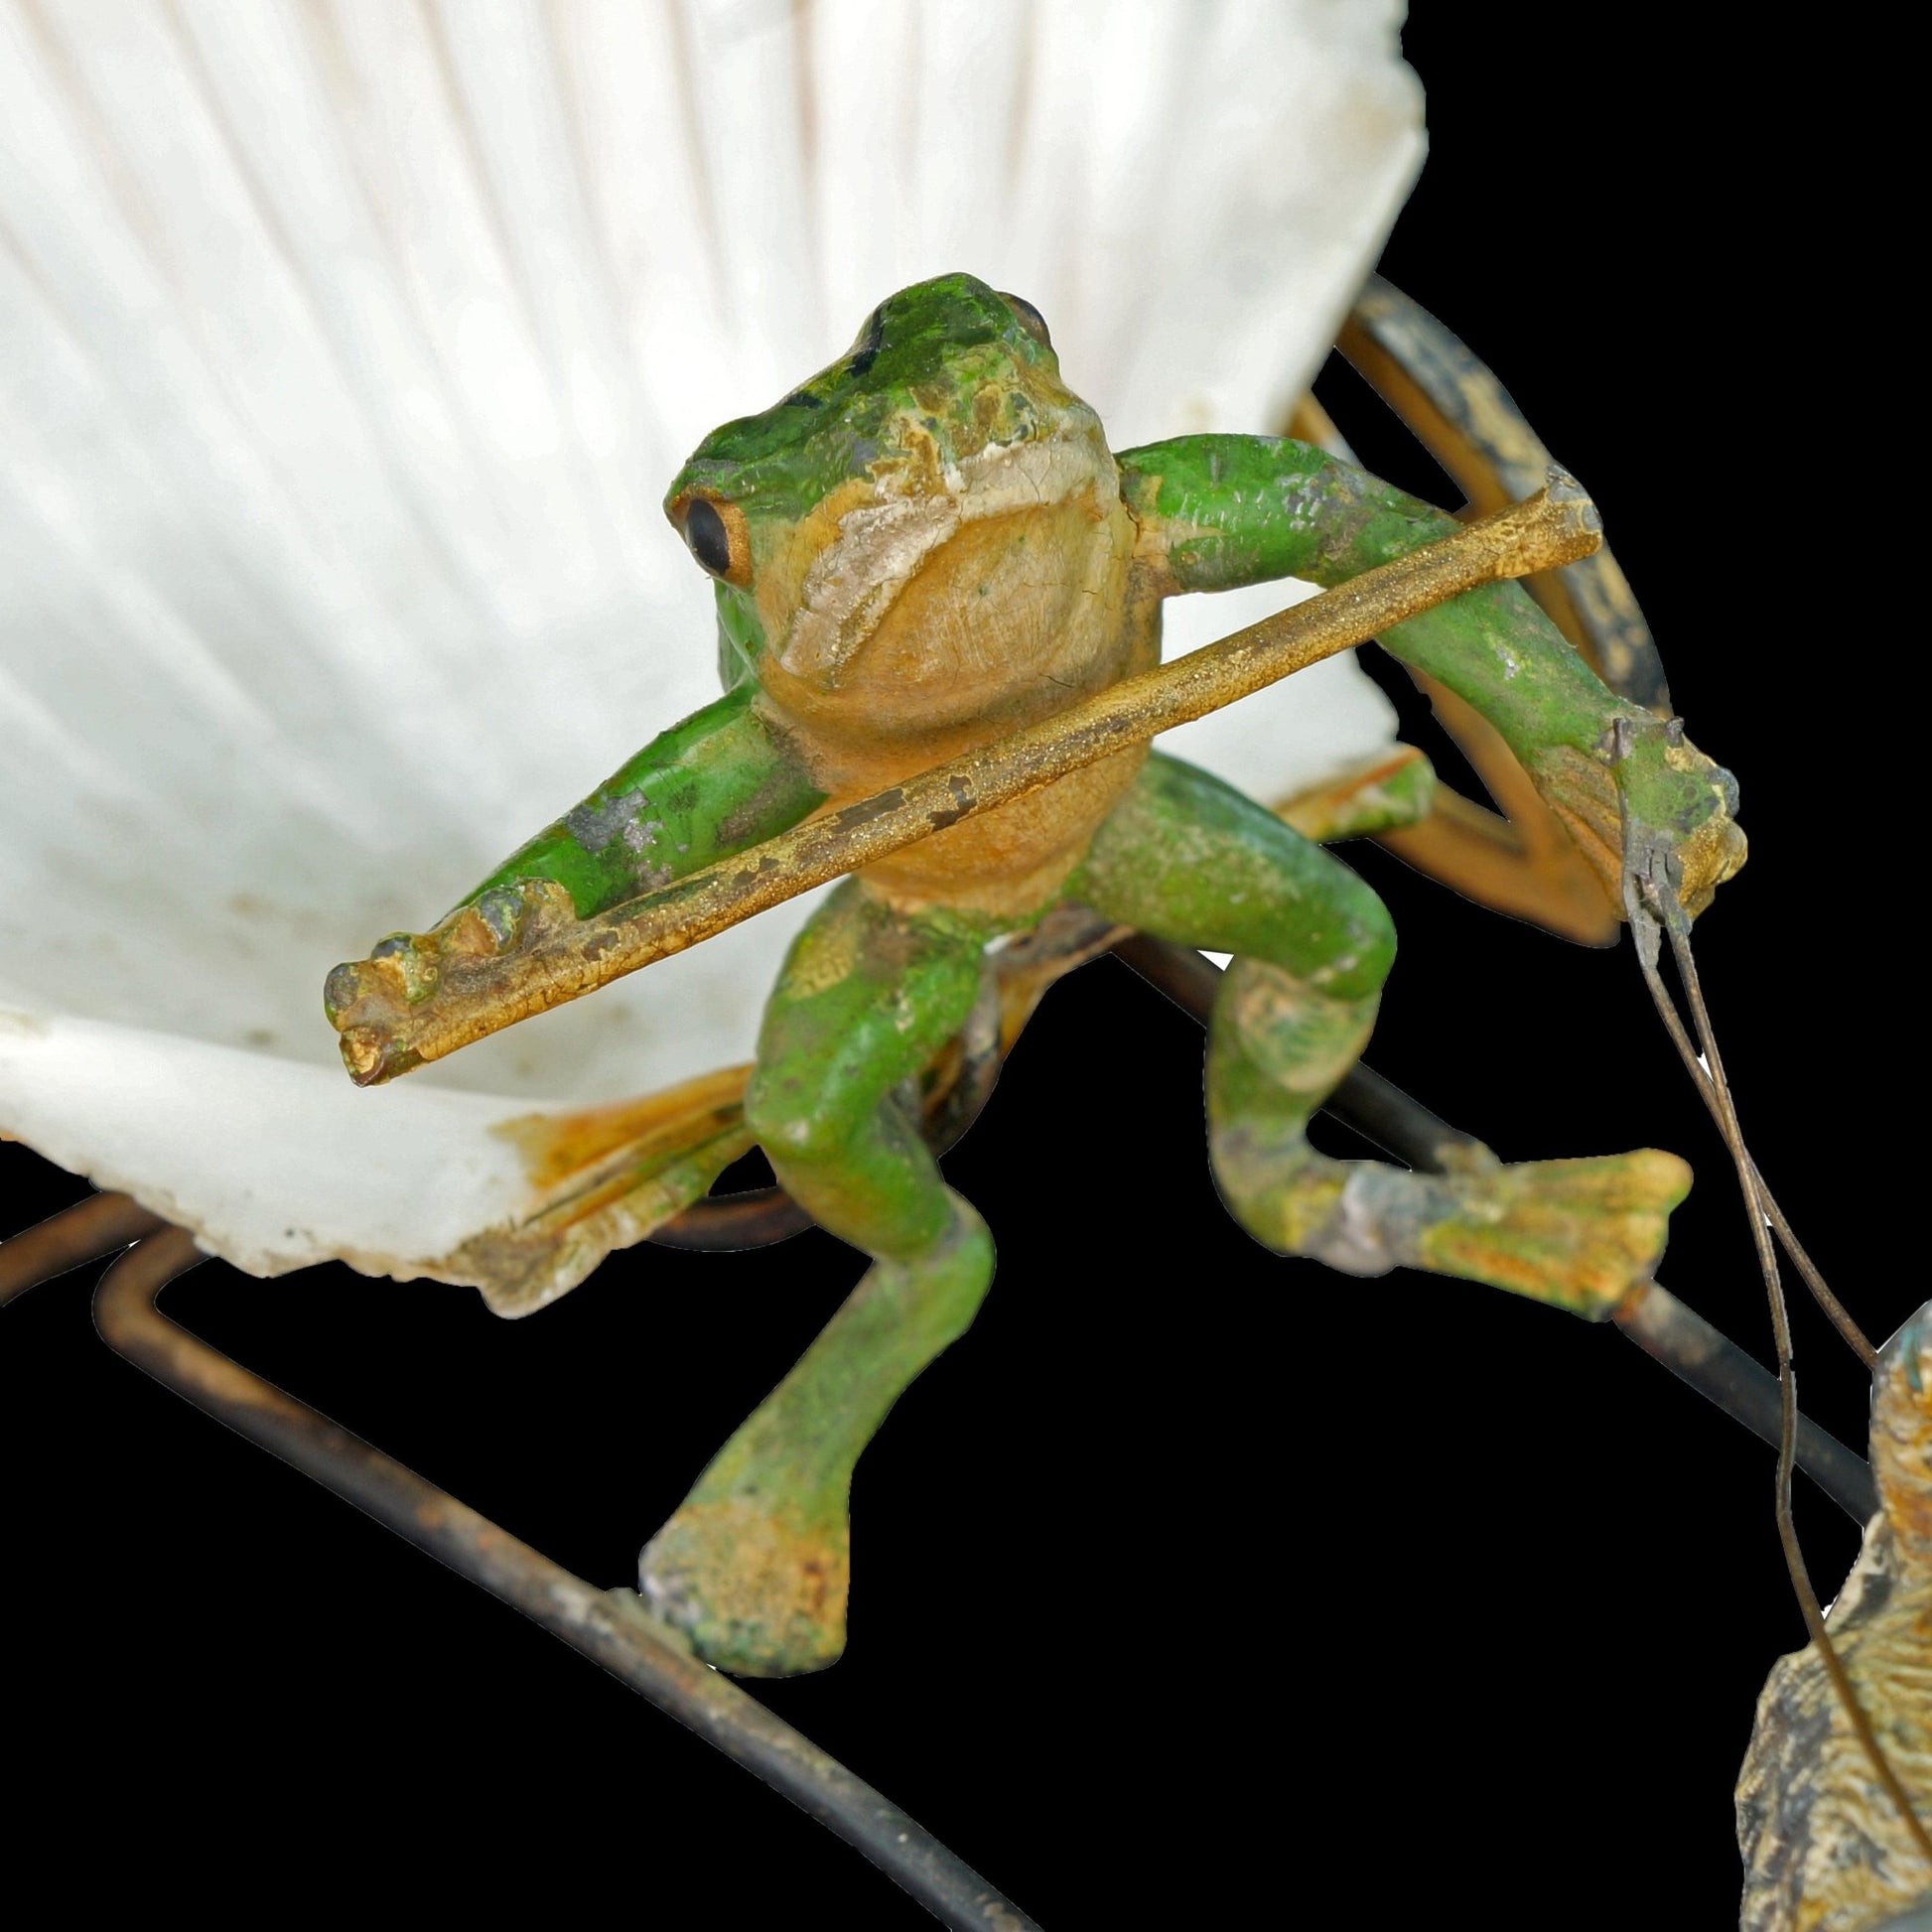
[(1469, 422), (1709, 1361), (760, 1217), (69, 1239), (1668, 1332), (610, 1627)]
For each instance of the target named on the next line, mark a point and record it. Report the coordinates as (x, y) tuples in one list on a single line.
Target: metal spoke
[(610, 1627)]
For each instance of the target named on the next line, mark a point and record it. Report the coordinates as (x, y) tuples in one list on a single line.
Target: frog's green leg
[(1188, 859), (754, 1564), (1216, 511)]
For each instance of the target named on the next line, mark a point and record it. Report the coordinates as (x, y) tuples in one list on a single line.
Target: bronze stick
[(563, 957)]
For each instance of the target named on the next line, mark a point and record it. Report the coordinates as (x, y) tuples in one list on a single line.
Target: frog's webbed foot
[(461, 957), (1576, 1234), (758, 1587), (755, 1564), (1579, 1234)]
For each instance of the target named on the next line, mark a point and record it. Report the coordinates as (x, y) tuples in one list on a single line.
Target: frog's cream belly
[(1009, 862), (1013, 618)]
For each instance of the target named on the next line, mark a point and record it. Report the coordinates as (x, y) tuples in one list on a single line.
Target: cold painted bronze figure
[(921, 550)]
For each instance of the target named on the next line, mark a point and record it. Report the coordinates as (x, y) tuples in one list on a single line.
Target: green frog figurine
[(919, 550)]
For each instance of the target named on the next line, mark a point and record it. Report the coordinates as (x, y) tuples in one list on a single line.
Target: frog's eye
[(1030, 320), (716, 535)]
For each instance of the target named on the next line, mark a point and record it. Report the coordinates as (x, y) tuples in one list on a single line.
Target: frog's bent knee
[(1364, 954), (1579, 1235), (805, 1121)]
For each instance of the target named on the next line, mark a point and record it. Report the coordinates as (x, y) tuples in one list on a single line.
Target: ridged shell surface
[(345, 348)]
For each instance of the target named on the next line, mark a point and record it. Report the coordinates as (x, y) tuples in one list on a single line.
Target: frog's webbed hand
[(1220, 512), (1645, 796), (720, 781)]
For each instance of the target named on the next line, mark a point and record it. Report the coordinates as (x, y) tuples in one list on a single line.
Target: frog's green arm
[(1220, 512), (719, 782), (727, 777)]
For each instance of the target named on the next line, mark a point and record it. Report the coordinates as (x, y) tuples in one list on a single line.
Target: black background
[(1191, 1573)]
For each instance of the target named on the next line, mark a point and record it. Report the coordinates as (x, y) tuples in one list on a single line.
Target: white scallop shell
[(345, 348)]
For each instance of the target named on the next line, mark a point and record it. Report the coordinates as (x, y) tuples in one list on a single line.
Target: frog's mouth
[(856, 581), (885, 542)]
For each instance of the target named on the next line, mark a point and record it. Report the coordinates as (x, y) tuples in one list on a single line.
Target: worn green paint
[(947, 358), (721, 780), (754, 1562), (864, 1000), (1240, 509)]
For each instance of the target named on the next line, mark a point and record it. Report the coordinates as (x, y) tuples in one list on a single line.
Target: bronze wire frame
[(1430, 377)]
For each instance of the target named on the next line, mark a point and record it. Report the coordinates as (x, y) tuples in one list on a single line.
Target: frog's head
[(817, 517)]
